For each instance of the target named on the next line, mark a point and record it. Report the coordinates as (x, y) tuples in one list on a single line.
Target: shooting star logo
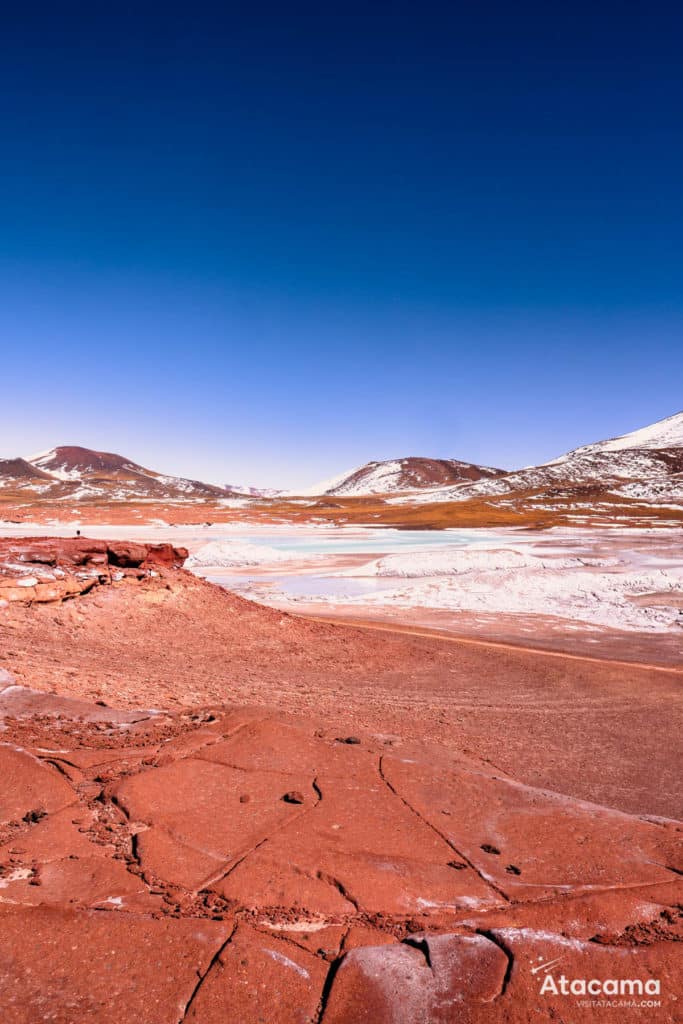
[(547, 965)]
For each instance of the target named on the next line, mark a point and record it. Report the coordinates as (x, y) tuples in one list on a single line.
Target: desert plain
[(282, 761)]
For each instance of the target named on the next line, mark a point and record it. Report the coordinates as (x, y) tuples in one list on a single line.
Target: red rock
[(26, 785), (91, 881), (22, 701), (165, 554), (361, 840), (557, 843), (259, 980), (70, 554), (195, 805), (363, 935), (71, 966), (529, 950), (126, 554), (265, 882), (285, 746), (323, 940), (645, 911), (52, 838), (402, 984)]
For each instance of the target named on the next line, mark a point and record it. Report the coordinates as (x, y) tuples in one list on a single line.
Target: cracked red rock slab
[(59, 834), (26, 785), (536, 956), (70, 966), (195, 805), (278, 745), (264, 881), (365, 843), (325, 940), (510, 976), (22, 701), (88, 759), (635, 914), (258, 979), (87, 881), (532, 843)]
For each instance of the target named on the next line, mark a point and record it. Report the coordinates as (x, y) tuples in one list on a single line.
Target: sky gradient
[(264, 247)]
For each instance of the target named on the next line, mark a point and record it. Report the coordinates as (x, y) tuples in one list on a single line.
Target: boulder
[(126, 554)]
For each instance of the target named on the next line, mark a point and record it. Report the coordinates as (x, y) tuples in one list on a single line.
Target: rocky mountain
[(76, 473), (398, 475), (15, 470), (646, 464)]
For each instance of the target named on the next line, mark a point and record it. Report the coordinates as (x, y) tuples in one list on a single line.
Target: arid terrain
[(265, 760), (231, 813)]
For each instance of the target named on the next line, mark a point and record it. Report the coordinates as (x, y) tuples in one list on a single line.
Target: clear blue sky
[(268, 245)]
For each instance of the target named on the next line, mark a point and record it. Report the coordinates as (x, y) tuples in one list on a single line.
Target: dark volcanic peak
[(86, 474), (73, 461), (409, 474), (20, 469)]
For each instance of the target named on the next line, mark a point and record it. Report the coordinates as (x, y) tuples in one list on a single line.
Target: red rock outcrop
[(38, 570)]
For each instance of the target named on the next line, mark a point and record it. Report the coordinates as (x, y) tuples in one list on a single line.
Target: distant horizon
[(331, 475)]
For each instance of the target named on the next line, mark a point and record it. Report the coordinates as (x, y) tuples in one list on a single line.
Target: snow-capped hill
[(21, 469), (71, 462), (254, 492), (77, 473), (666, 433), (646, 464), (399, 475), (19, 475), (323, 486)]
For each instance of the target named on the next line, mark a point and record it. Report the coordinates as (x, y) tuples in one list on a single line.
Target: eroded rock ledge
[(43, 570)]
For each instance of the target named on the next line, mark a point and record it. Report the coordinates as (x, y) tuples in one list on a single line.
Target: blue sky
[(268, 246)]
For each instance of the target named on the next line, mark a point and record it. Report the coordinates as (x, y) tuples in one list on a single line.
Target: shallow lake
[(355, 542), (265, 585)]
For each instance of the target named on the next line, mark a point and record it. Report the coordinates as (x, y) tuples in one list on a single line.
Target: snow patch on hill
[(324, 486), (666, 433), (380, 478)]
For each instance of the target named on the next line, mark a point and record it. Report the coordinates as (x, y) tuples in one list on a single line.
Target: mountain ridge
[(77, 473), (645, 464)]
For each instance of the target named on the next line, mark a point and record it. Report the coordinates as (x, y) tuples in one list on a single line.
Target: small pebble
[(293, 797)]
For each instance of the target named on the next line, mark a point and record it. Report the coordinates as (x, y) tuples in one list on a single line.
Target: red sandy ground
[(234, 858)]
